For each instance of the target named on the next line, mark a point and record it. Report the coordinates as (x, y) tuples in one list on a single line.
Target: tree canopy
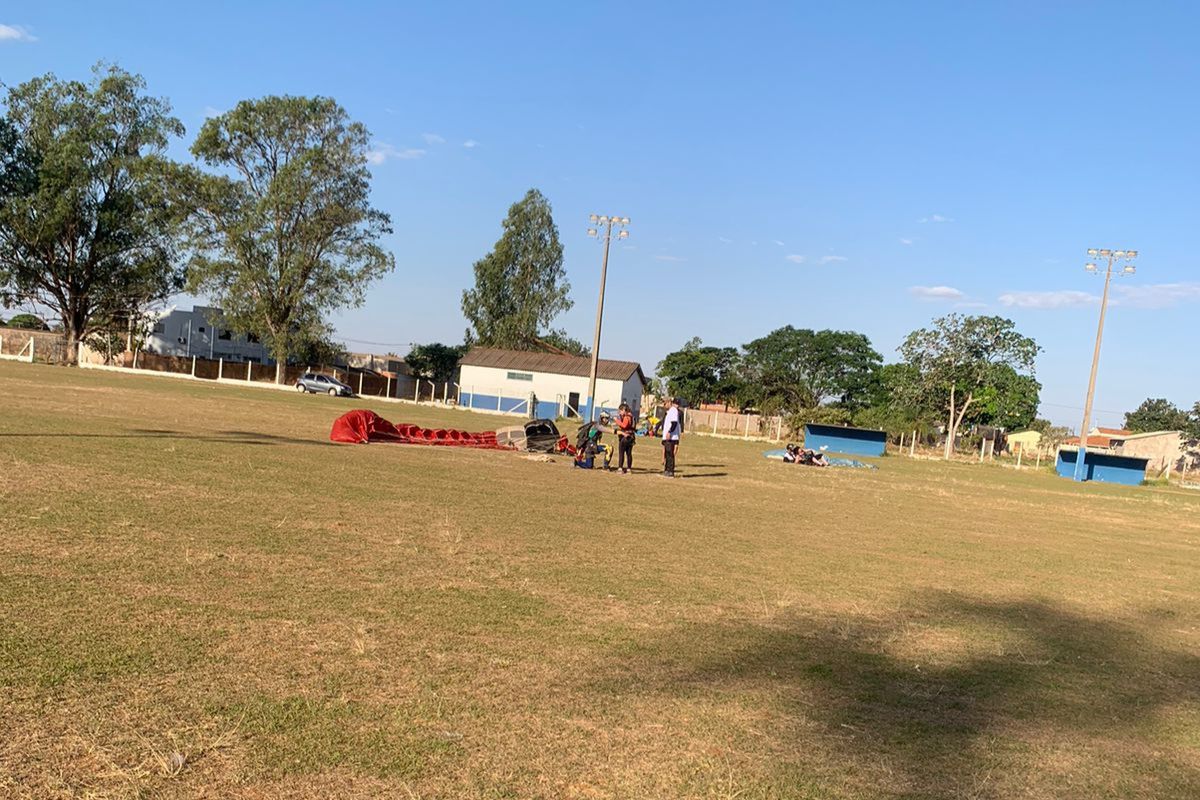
[(29, 322), (960, 361), (85, 231), (702, 374), (792, 369), (284, 232), (1159, 414), (520, 286), (434, 362)]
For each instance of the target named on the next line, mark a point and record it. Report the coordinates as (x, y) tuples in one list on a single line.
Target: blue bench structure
[(852, 441), (1103, 467)]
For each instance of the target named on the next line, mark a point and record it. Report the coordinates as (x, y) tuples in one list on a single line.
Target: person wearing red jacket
[(626, 425)]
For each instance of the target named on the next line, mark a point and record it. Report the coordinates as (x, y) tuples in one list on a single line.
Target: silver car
[(323, 384)]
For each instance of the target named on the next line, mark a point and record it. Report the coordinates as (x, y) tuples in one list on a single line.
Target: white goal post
[(26, 353)]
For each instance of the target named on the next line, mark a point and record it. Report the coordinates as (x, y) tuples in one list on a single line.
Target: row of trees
[(976, 369), (272, 221), (1159, 414)]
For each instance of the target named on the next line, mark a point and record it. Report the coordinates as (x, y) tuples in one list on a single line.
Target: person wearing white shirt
[(672, 427)]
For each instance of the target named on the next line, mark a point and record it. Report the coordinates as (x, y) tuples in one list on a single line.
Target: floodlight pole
[(607, 223), (1081, 456)]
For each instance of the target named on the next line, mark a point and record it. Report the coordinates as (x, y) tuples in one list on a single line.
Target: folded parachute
[(361, 427)]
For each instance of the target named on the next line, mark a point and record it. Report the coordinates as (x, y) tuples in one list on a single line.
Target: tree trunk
[(280, 366), (950, 428)]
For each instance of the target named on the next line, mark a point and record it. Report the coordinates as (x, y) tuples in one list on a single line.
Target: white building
[(502, 380), (202, 332)]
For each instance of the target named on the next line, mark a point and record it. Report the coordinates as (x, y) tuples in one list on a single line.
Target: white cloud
[(15, 33), (1048, 300), (796, 259), (669, 258), (1157, 295), (905, 241), (383, 152), (778, 242), (470, 143), (934, 218), (833, 259), (211, 111), (723, 240), (936, 293), (432, 138)]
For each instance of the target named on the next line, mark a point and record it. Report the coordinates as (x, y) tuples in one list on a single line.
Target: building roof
[(1151, 434), (1095, 440), (551, 363), (1117, 433)]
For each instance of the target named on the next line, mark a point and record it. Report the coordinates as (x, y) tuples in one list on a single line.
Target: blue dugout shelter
[(1103, 467), (852, 441)]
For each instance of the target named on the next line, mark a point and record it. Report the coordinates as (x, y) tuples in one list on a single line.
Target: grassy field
[(201, 597)]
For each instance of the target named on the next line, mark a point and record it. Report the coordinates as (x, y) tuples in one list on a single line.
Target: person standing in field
[(672, 427), (626, 426)]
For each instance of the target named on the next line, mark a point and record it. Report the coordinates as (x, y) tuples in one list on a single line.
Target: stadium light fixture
[(1112, 256), (1093, 252), (606, 222)]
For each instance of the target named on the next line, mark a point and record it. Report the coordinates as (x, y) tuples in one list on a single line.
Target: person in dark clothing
[(626, 426), (672, 427)]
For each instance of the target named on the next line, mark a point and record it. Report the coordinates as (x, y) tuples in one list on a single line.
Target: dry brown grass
[(199, 597)]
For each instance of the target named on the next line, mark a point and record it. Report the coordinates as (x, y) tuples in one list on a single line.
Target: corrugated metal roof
[(550, 363)]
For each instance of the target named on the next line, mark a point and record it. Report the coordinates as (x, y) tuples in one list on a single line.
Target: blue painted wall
[(852, 441), (1104, 467)]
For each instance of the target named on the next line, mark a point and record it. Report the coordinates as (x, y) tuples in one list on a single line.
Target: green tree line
[(960, 369)]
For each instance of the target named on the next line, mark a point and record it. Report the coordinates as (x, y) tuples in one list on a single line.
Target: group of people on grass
[(795, 454), (589, 444)]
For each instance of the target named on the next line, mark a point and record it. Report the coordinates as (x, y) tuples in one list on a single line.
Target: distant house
[(1026, 441), (202, 332), (502, 380), (389, 364), (1109, 439)]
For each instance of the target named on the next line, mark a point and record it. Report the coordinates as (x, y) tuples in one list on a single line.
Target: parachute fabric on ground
[(362, 426)]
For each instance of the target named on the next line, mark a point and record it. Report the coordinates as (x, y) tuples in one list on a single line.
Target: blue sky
[(862, 166)]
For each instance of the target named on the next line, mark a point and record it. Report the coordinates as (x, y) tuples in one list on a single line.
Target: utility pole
[(605, 222), (1112, 256)]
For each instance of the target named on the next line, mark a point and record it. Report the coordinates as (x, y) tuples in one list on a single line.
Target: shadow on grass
[(220, 437), (959, 698)]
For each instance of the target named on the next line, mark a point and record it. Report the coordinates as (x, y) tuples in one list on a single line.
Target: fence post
[(1039, 459), (417, 391), (716, 415), (220, 368), (32, 357), (249, 364), (387, 392), (1183, 475), (471, 400), (912, 445), (499, 397), (746, 433), (193, 366), (982, 447), (779, 429), (445, 392), (1020, 452)]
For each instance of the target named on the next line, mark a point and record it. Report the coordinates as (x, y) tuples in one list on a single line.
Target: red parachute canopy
[(362, 426)]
